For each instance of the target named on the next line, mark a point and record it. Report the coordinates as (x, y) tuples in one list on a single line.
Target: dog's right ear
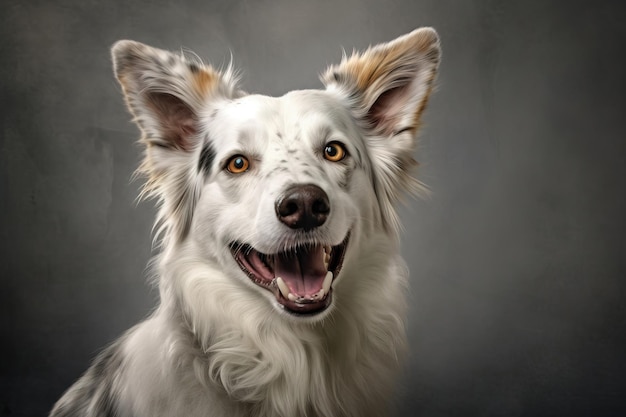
[(166, 92)]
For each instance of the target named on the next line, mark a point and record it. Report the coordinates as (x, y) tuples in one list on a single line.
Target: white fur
[(218, 344)]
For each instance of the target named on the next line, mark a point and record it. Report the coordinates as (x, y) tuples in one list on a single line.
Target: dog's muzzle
[(300, 276)]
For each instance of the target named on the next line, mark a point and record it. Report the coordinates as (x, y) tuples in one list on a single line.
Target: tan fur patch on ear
[(205, 81), (379, 62), (392, 67)]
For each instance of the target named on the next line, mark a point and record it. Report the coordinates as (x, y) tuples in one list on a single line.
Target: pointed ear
[(166, 92), (386, 88), (388, 85)]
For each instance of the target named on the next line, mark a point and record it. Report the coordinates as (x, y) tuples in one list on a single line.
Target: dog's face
[(279, 190), (280, 193)]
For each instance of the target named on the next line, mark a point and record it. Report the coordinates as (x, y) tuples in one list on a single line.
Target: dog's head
[(280, 187)]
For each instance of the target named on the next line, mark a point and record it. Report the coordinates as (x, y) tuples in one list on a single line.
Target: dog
[(282, 289)]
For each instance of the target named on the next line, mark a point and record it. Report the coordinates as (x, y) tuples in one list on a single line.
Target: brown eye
[(334, 152), (238, 164)]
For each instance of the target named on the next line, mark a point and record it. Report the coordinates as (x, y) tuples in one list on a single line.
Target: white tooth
[(327, 281), (284, 289), (291, 297), (319, 294)]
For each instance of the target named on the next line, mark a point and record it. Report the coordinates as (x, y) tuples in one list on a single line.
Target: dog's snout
[(303, 207)]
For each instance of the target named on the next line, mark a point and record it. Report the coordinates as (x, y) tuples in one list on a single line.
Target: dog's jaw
[(300, 278)]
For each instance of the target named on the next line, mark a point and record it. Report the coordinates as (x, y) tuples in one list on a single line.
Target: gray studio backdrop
[(517, 259)]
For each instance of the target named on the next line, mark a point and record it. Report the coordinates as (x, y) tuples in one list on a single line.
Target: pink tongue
[(303, 271)]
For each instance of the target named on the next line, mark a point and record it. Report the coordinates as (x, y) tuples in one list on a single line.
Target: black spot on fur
[(207, 156), (280, 135), (292, 150), (194, 68)]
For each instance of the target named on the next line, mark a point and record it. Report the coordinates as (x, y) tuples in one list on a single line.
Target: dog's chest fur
[(344, 368)]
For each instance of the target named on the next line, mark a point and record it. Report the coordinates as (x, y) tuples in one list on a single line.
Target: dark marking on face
[(207, 156), (359, 158), (194, 68), (283, 161), (347, 178), (280, 135), (306, 172), (292, 150)]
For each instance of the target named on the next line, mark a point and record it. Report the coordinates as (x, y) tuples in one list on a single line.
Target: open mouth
[(300, 278)]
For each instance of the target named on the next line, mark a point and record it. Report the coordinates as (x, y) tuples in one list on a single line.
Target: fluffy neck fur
[(279, 367)]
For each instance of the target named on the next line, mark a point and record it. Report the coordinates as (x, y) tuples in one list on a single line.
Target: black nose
[(303, 206)]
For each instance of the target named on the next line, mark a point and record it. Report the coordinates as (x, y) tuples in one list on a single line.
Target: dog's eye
[(334, 152), (238, 164)]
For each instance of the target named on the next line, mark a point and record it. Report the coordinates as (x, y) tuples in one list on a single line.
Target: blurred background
[(518, 258)]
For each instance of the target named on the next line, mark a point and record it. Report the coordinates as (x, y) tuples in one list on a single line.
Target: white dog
[(281, 284)]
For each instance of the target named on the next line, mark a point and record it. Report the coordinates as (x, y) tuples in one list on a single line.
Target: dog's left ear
[(386, 88), (388, 85)]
